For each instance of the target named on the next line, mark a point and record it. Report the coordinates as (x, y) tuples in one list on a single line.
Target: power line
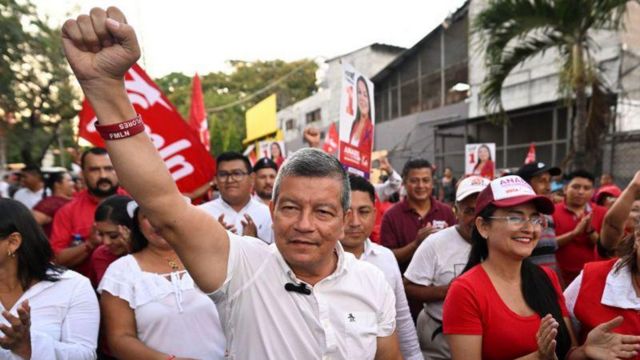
[(257, 93)]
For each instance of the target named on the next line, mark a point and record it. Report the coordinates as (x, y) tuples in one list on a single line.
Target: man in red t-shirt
[(578, 223), (73, 237)]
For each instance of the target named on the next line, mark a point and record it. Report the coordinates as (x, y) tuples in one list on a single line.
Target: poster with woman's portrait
[(480, 160), (357, 120), (273, 150)]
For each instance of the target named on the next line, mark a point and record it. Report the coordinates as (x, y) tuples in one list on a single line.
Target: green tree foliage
[(228, 95), (35, 84), (514, 31)]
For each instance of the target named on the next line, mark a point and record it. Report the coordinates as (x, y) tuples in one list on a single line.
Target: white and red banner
[(531, 154), (331, 139), (197, 114), (189, 162), (357, 115)]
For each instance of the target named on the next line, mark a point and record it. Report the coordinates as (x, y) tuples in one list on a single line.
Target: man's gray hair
[(310, 162)]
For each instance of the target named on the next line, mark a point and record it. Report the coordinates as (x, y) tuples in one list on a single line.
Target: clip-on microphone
[(300, 288)]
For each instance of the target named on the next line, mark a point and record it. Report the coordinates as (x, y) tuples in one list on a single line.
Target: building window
[(288, 125), (312, 116)]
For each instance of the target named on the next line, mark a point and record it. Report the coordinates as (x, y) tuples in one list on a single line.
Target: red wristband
[(171, 357), (121, 130)]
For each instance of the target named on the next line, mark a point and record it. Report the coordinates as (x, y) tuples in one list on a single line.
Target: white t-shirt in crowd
[(258, 212), (28, 197), (438, 260), (384, 260), (172, 315), (341, 319), (65, 318)]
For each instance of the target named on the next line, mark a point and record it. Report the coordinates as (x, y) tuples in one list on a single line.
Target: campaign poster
[(479, 160), (272, 149), (357, 119)]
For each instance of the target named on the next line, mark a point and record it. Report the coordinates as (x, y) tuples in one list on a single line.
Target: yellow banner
[(261, 120)]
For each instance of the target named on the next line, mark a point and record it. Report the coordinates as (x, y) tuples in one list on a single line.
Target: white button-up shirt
[(341, 319), (384, 260), (258, 212)]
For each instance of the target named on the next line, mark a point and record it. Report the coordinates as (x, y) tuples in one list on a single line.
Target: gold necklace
[(174, 264)]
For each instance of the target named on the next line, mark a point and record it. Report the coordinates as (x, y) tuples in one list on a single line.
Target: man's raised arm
[(101, 47)]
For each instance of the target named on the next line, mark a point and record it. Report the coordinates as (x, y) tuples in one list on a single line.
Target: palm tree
[(513, 31)]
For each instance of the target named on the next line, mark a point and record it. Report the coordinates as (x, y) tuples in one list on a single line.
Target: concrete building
[(321, 109), (423, 109)]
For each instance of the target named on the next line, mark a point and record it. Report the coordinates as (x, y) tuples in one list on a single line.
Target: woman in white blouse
[(47, 312), (151, 308)]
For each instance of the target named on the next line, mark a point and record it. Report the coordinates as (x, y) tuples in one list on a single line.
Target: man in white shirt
[(236, 209), (358, 226), (32, 186), (298, 299), (265, 171), (438, 260)]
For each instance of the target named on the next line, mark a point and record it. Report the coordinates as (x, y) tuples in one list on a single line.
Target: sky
[(191, 36)]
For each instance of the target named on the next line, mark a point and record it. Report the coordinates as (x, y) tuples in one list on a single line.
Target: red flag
[(197, 114), (531, 155), (331, 140), (188, 161)]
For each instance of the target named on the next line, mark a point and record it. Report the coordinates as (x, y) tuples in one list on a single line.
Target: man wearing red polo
[(72, 236), (419, 215), (578, 222)]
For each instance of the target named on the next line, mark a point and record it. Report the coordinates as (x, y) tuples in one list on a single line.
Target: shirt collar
[(341, 267), (227, 206), (406, 207), (369, 250), (587, 208), (617, 290)]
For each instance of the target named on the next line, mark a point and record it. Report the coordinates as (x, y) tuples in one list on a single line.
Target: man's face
[(419, 184), (99, 175), (359, 221), (541, 184), (263, 185), (465, 213), (307, 224), (31, 180), (234, 182), (578, 191)]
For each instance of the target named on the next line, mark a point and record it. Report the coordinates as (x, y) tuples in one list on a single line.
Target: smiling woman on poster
[(362, 128), (485, 166), (276, 153)]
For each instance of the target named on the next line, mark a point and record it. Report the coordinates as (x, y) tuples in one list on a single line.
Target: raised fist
[(100, 46)]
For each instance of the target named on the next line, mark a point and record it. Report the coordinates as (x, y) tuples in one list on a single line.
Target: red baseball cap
[(509, 191), (611, 190)]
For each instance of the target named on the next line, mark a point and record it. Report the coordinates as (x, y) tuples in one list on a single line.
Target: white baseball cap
[(471, 185), (509, 191)]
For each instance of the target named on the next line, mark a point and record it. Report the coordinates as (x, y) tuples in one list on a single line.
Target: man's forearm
[(405, 253), (425, 293), (72, 256), (564, 239), (613, 224), (139, 166)]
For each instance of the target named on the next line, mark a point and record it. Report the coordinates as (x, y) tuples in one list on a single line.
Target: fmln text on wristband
[(121, 130)]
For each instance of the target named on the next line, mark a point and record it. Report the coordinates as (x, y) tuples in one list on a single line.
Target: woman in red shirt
[(113, 225), (504, 306), (361, 134)]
